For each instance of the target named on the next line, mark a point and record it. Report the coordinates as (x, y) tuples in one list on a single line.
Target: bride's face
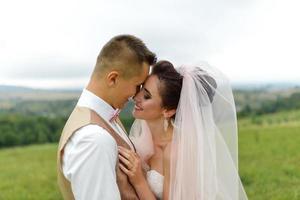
[(148, 101)]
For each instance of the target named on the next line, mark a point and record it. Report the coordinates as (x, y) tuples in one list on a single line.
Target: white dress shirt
[(91, 153)]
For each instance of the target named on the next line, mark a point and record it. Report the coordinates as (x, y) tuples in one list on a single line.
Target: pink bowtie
[(115, 115)]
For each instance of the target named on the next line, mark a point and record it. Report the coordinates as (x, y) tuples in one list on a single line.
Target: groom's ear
[(112, 78), (169, 113)]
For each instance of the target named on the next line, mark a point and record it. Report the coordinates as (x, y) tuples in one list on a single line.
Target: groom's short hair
[(124, 53)]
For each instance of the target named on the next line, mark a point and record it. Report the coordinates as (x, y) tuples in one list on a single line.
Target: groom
[(87, 159)]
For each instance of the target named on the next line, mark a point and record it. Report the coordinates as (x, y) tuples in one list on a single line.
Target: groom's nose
[(134, 97)]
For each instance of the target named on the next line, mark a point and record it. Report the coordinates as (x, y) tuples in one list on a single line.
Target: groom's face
[(127, 88)]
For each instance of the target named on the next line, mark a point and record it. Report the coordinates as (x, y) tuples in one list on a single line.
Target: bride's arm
[(130, 164), (166, 188)]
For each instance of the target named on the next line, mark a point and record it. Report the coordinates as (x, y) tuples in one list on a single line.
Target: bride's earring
[(166, 124), (172, 122)]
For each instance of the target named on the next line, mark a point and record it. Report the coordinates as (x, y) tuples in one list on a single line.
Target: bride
[(185, 135)]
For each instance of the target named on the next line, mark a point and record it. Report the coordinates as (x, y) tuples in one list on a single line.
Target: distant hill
[(8, 92), (43, 102), (255, 98), (11, 88), (266, 86)]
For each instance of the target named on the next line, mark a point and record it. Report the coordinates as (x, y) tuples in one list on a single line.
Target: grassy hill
[(29, 173), (269, 162)]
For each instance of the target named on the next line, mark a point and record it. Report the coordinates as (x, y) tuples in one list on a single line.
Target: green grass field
[(28, 173), (269, 162)]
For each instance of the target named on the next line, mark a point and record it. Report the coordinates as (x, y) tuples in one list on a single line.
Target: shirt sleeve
[(89, 163)]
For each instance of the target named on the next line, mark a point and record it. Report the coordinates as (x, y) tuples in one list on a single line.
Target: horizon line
[(78, 86)]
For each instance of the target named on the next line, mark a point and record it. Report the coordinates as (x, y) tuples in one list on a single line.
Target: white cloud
[(269, 50), (248, 40)]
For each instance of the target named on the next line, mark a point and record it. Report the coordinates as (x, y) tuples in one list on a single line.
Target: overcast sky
[(54, 43)]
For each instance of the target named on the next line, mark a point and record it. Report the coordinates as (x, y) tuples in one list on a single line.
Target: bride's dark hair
[(171, 83)]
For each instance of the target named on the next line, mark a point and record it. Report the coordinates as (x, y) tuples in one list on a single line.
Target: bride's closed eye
[(147, 94)]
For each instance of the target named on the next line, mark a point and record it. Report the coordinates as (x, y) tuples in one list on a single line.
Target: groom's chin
[(121, 105), (124, 105)]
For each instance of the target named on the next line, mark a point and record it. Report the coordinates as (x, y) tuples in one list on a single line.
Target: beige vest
[(80, 117)]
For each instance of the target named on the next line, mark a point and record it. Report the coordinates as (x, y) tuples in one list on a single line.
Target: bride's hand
[(130, 163)]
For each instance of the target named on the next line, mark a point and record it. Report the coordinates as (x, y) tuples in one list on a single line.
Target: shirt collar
[(101, 107)]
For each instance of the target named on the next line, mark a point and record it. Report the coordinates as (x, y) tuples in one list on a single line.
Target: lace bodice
[(156, 182)]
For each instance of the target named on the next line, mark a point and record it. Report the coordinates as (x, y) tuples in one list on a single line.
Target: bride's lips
[(137, 108)]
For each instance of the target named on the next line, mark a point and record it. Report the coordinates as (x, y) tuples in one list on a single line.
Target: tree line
[(37, 123), (20, 130), (272, 106)]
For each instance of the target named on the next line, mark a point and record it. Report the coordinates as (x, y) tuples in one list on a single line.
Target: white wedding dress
[(156, 182)]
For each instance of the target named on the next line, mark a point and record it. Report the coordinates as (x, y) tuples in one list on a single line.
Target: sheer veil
[(204, 151)]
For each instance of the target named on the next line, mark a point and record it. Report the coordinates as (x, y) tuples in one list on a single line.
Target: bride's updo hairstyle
[(171, 83)]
